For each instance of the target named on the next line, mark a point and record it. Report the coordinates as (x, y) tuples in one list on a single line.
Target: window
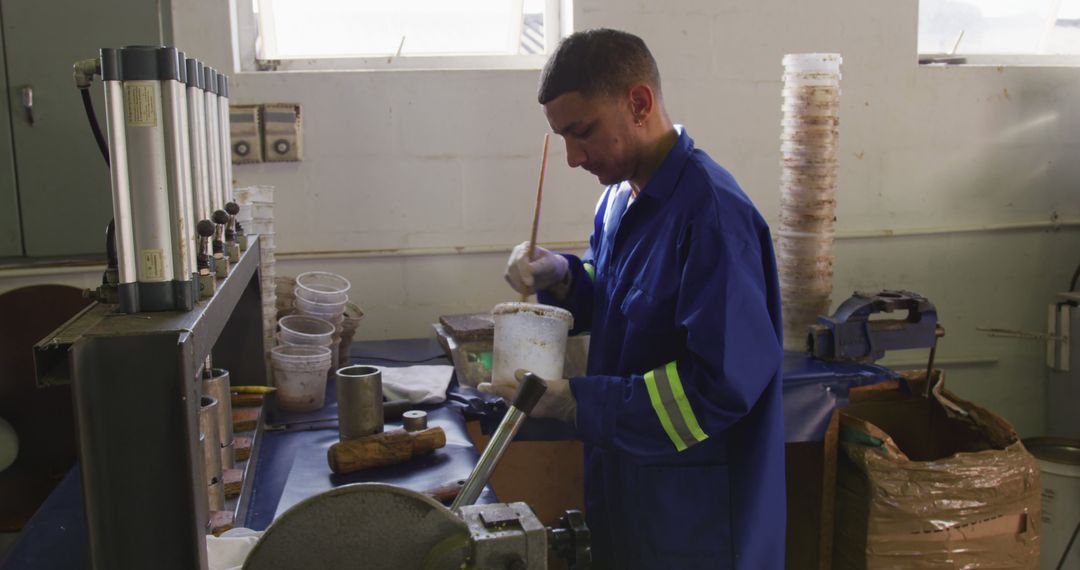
[(399, 34), (999, 31)]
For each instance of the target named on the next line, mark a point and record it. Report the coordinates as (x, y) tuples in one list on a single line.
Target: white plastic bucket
[(1059, 461), (300, 376), (529, 336)]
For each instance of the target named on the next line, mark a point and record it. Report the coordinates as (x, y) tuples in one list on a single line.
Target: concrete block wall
[(960, 183)]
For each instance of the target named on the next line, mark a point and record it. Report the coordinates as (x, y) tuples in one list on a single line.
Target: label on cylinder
[(140, 103), (153, 264)]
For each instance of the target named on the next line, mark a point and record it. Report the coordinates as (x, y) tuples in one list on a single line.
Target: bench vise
[(851, 335)]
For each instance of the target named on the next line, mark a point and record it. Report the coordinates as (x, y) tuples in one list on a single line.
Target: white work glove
[(557, 402), (529, 276)]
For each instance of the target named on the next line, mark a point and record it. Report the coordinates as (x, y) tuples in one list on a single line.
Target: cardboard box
[(934, 482)]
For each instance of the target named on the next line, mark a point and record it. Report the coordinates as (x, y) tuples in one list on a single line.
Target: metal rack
[(136, 391)]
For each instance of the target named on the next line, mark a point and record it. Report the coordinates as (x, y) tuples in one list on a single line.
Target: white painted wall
[(406, 160)]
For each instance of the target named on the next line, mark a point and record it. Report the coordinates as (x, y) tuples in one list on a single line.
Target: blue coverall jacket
[(680, 411)]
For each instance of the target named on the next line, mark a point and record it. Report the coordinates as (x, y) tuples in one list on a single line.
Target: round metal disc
[(367, 525)]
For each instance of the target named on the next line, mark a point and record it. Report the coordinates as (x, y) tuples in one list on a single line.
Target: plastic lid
[(533, 308)]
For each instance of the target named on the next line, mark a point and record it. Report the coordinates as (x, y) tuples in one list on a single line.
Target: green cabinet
[(54, 185)]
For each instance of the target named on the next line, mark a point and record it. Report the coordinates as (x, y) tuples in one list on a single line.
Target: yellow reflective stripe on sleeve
[(684, 404), (591, 270), (673, 410)]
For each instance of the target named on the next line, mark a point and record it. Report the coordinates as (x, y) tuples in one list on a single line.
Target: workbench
[(291, 462)]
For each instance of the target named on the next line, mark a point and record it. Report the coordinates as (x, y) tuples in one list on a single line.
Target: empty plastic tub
[(323, 282), (305, 329), (316, 307), (327, 316), (341, 297), (300, 376)]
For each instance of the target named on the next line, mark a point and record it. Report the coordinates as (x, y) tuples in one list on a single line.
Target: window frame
[(961, 59), (246, 37)]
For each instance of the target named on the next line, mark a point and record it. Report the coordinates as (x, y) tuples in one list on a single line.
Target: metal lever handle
[(28, 102), (529, 392)]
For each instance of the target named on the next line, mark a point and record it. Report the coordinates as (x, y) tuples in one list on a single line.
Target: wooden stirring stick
[(536, 209)]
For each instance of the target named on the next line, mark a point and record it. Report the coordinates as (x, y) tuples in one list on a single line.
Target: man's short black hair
[(598, 62)]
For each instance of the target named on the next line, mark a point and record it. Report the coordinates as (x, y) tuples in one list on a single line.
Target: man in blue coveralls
[(680, 409)]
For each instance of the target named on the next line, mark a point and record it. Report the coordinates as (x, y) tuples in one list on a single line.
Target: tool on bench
[(386, 448), (232, 248), (529, 392), (221, 263), (850, 334), (383, 526), (205, 259)]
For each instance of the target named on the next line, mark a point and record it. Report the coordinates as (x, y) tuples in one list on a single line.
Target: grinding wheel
[(366, 525)]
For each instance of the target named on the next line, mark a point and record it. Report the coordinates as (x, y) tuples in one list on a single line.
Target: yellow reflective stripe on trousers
[(669, 400), (591, 270)]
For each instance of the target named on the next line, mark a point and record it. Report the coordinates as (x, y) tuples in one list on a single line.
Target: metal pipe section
[(178, 170), (208, 440), (217, 386), (528, 394), (197, 139), (213, 138), (224, 146)]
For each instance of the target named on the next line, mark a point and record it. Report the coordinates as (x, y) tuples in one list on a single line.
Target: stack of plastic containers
[(300, 376), (323, 295), (810, 134), (257, 217)]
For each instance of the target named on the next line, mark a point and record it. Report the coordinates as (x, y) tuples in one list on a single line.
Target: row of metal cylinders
[(170, 162)]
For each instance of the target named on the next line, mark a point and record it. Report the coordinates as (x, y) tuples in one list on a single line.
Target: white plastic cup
[(251, 194), (327, 297), (316, 307), (812, 62), (259, 226), (267, 240), (331, 343), (306, 329), (323, 282), (300, 376), (262, 211), (531, 337), (327, 316)]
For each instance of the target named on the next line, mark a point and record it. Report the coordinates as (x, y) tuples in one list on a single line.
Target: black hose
[(1076, 275), (88, 104)]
